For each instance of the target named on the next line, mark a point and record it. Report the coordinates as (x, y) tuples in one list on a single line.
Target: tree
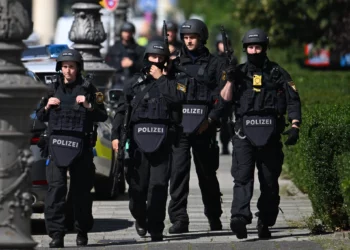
[(300, 21)]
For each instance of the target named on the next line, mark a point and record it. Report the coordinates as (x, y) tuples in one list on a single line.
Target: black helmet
[(129, 27), (255, 36), (171, 26), (69, 55), (219, 39), (157, 47), (195, 26)]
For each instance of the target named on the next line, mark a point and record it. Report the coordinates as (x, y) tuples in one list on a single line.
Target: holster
[(231, 127)]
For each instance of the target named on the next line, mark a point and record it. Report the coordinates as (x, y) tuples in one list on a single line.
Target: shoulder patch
[(223, 76), (292, 85), (99, 97), (181, 87)]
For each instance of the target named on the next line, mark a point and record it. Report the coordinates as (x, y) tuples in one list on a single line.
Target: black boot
[(215, 224), (141, 228), (82, 239), (263, 230), (225, 150), (156, 236), (57, 242), (238, 226), (178, 227)]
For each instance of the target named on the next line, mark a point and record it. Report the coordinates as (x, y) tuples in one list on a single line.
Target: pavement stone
[(114, 225)]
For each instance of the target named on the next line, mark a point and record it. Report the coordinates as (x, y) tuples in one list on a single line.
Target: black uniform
[(115, 55), (70, 148), (262, 98), (225, 119), (200, 76), (155, 120)]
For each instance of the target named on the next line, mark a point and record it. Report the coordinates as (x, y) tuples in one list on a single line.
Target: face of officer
[(254, 49), (191, 41), (69, 71), (154, 58), (126, 35), (220, 47), (171, 36)]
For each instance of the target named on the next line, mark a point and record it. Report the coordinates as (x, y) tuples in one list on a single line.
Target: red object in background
[(34, 140), (110, 5), (316, 56), (40, 182)]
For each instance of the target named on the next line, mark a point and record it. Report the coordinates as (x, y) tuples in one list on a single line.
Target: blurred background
[(312, 33)]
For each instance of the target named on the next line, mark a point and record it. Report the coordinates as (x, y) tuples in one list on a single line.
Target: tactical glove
[(230, 72), (293, 136)]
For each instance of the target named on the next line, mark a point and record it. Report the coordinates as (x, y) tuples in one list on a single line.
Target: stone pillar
[(87, 33), (44, 18), (120, 16), (19, 95)]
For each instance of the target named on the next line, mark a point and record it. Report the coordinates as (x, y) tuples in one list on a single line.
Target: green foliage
[(289, 21), (316, 162)]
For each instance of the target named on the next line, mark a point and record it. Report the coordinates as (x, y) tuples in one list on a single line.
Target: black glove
[(293, 136), (230, 73)]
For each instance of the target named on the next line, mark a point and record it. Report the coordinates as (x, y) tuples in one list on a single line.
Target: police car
[(41, 60)]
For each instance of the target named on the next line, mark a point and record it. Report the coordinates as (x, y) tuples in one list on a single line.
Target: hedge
[(319, 163)]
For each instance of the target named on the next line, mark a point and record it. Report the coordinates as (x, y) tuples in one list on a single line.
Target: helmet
[(257, 36), (195, 26), (171, 26), (69, 55), (219, 39), (157, 47), (129, 27)]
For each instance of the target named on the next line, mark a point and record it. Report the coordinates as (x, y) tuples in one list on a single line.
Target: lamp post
[(19, 95), (87, 33)]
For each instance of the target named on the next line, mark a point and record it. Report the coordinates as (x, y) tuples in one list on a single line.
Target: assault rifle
[(165, 34), (119, 157), (227, 49)]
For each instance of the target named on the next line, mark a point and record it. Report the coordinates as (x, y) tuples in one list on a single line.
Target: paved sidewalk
[(114, 225)]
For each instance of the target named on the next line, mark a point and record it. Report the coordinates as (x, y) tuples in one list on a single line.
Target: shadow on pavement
[(121, 197), (196, 235), (107, 225), (274, 237), (100, 225)]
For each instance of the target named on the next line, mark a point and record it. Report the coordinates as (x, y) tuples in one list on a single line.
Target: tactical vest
[(194, 78), (68, 116), (150, 118), (261, 101), (68, 122)]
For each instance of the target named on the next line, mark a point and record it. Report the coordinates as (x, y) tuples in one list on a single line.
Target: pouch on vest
[(192, 116), (149, 136), (259, 128), (65, 149)]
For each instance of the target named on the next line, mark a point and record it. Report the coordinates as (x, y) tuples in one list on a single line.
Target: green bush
[(319, 163)]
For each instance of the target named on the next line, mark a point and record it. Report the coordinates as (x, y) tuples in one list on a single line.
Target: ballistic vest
[(69, 116), (261, 92), (261, 101), (195, 79), (150, 117)]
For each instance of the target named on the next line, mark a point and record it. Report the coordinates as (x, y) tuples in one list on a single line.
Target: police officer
[(72, 106), (155, 118), (125, 55), (263, 93), (224, 128), (198, 73), (174, 44)]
